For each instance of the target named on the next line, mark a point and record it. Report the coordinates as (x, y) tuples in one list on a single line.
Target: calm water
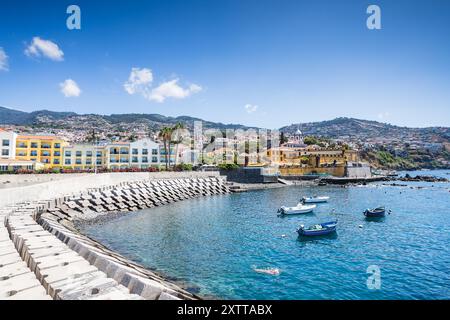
[(214, 242)]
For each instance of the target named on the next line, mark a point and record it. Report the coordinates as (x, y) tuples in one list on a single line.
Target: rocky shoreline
[(422, 178)]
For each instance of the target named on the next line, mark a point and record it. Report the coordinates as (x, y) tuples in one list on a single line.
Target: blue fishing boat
[(375, 213), (318, 229)]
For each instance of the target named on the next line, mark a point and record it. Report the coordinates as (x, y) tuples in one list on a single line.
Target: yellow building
[(311, 156), (46, 149), (311, 160)]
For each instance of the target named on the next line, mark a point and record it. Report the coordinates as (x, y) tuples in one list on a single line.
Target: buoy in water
[(360, 226)]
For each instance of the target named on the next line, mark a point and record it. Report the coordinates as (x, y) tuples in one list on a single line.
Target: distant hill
[(10, 116), (366, 130), (60, 119), (348, 129)]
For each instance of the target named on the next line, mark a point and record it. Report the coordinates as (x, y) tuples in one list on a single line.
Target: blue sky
[(287, 61)]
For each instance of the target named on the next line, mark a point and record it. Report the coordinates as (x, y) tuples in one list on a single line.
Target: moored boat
[(318, 229), (375, 213), (315, 199), (300, 208)]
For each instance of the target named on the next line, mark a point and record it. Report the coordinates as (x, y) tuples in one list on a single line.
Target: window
[(135, 151), (21, 145), (154, 151), (56, 161), (88, 153), (145, 151), (57, 153), (99, 161), (5, 143), (5, 152), (79, 153), (154, 159), (134, 159), (34, 145), (88, 161), (68, 161), (45, 154), (78, 161), (57, 145), (99, 154), (45, 146), (144, 159)]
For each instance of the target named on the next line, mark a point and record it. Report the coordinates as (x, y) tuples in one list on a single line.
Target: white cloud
[(250, 108), (70, 88), (140, 82), (171, 89), (40, 47), (3, 60)]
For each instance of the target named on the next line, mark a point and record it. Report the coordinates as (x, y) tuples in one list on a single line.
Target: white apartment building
[(7, 144), (144, 153)]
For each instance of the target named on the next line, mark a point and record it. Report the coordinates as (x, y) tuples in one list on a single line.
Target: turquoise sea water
[(214, 242)]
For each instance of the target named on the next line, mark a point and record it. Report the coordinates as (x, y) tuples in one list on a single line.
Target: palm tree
[(166, 135), (178, 138)]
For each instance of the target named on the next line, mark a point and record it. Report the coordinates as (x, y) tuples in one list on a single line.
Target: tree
[(283, 138), (309, 140), (178, 138), (166, 135)]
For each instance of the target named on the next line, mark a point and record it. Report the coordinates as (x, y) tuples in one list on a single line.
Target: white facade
[(83, 156), (7, 144), (144, 153)]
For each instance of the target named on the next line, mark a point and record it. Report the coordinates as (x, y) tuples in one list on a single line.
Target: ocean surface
[(212, 244)]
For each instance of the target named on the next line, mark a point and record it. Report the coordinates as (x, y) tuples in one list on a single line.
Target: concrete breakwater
[(69, 265)]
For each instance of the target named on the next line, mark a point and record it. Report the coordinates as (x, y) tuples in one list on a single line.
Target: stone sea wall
[(68, 265)]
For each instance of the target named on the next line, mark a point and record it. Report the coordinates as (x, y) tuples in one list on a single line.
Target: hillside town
[(23, 152), (61, 142)]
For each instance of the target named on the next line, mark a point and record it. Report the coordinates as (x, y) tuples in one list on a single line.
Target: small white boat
[(299, 209), (315, 199)]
